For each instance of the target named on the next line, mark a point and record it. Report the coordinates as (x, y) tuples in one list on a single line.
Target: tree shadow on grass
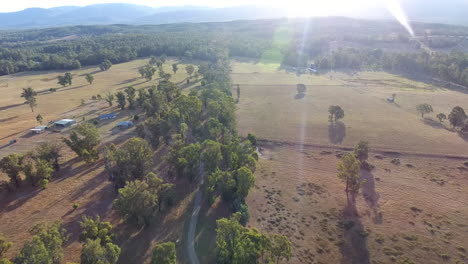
[(10, 106), (336, 132), (299, 96), (463, 136), (354, 245), (370, 195), (434, 124)]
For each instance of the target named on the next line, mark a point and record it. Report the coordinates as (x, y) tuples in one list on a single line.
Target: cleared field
[(270, 108), (415, 212), (17, 117)]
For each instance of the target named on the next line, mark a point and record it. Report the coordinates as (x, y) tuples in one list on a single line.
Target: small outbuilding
[(64, 123), (38, 129), (125, 124), (107, 116)]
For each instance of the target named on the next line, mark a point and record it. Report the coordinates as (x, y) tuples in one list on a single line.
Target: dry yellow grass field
[(415, 212), (269, 107), (17, 117)]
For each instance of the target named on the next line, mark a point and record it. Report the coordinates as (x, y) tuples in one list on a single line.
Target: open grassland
[(270, 108), (414, 211), (17, 117)]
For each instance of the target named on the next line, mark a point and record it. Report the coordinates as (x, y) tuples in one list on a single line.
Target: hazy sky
[(302, 6)]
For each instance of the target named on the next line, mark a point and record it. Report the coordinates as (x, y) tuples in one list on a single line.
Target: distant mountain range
[(434, 11)]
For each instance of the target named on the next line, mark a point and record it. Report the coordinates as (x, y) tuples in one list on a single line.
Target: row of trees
[(457, 117), (450, 67)]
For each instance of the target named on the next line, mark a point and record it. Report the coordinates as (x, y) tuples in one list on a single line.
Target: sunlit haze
[(296, 7)]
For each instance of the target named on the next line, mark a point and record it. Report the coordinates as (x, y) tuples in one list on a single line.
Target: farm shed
[(64, 123), (38, 129)]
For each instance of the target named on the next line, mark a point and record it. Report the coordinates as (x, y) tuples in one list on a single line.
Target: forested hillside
[(333, 43)]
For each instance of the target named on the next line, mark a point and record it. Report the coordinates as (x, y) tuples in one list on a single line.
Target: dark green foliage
[(12, 166), (121, 100), (96, 252), (301, 88), (105, 65), (139, 200), (362, 151), (238, 244), (94, 229), (4, 245), (65, 79), (37, 171), (129, 162), (147, 72), (30, 95), (441, 117), (89, 78), (131, 93), (39, 119), (348, 172), (424, 109), (336, 113), (164, 253), (252, 138), (175, 67), (457, 116), (45, 245), (84, 140), (109, 98)]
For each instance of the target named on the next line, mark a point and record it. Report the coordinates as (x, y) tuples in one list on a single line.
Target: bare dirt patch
[(400, 213)]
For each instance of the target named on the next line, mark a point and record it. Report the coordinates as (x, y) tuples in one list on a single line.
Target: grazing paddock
[(17, 117), (271, 108), (415, 211)]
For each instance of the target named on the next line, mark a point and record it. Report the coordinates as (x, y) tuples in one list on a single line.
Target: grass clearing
[(270, 108), (298, 194)]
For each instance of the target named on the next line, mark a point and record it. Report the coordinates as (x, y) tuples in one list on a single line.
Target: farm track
[(388, 152)]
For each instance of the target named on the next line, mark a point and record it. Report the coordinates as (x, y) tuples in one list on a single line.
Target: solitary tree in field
[(39, 119), (189, 69), (424, 109), (348, 172), (89, 78), (393, 97), (105, 65), (441, 117), (301, 88), (65, 79), (238, 92), (336, 113), (164, 253), (121, 100), (109, 98), (30, 95), (68, 77), (175, 67), (457, 116)]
